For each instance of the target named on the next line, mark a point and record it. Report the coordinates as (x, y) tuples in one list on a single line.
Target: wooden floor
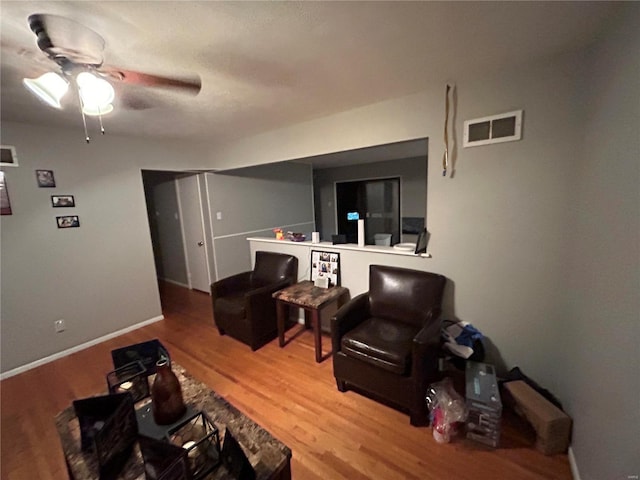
[(332, 435)]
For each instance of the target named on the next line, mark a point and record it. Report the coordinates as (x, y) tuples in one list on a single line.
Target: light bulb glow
[(96, 94), (50, 88), (96, 110)]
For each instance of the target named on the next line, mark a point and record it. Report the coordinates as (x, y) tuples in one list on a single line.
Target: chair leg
[(342, 385), (418, 418)]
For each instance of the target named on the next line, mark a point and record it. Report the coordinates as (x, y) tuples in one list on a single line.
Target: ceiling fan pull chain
[(84, 120), (100, 119)]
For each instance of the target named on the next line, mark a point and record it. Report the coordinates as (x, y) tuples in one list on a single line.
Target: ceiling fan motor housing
[(66, 41)]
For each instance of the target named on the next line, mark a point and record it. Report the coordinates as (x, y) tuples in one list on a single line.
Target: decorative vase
[(167, 403)]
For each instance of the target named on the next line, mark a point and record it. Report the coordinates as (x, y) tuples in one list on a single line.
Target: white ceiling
[(266, 65)]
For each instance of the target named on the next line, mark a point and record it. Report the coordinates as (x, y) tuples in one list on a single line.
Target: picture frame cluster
[(325, 264), (46, 179)]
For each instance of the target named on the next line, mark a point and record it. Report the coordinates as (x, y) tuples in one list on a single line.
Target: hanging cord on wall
[(445, 157)]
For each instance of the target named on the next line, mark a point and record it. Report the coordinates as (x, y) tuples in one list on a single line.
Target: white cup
[(315, 237)]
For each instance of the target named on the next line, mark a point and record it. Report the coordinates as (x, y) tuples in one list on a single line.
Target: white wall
[(253, 201), (100, 277), (598, 376)]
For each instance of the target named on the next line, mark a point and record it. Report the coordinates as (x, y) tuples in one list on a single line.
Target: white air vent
[(8, 156), (505, 127)]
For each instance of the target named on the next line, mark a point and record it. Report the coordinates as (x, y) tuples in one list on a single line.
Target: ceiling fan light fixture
[(97, 110), (96, 94), (50, 88)]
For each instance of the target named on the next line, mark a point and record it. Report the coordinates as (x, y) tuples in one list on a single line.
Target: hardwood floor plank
[(333, 435)]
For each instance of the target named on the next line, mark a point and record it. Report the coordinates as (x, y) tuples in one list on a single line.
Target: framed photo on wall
[(325, 264), (68, 221), (45, 179), (60, 201), (5, 204)]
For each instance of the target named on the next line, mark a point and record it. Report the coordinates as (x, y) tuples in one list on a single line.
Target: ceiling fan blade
[(191, 85), (64, 39)]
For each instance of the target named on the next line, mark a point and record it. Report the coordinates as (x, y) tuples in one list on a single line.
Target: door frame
[(202, 226)]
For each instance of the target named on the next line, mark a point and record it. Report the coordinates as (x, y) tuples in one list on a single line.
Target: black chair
[(243, 306), (386, 341)]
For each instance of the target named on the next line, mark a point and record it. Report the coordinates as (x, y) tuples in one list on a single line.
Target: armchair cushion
[(386, 344), (232, 307), (272, 268), (403, 294)]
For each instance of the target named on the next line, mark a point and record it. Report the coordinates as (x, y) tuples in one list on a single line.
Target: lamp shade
[(96, 94), (95, 110), (50, 88)]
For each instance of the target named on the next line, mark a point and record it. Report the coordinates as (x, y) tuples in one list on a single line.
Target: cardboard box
[(552, 425)]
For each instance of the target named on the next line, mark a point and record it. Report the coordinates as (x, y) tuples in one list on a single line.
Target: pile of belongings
[(463, 340)]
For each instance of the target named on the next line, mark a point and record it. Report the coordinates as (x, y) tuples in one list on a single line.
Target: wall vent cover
[(504, 127)]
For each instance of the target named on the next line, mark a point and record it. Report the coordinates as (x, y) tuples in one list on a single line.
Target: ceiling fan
[(78, 52)]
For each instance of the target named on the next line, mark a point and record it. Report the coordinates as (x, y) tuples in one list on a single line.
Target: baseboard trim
[(180, 284), (77, 348), (573, 465)]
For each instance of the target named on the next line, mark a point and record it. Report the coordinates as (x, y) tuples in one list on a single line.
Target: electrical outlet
[(59, 326)]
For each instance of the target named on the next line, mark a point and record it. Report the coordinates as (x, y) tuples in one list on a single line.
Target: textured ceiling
[(266, 65)]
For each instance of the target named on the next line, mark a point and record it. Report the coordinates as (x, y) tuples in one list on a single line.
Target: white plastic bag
[(446, 408)]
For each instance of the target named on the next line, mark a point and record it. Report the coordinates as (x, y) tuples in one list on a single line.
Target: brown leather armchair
[(243, 306), (386, 341)]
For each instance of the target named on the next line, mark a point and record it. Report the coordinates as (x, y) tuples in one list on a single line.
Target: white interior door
[(193, 230)]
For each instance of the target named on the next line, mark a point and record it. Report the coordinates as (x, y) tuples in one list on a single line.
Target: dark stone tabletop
[(269, 457), (305, 294)]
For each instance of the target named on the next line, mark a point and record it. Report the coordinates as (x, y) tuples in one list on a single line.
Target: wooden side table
[(312, 299)]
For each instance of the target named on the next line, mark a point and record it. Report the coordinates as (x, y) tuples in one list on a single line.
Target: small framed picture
[(68, 221), (8, 157), (327, 265), (45, 178), (5, 204), (61, 201)]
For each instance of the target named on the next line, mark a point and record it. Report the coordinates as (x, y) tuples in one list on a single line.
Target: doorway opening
[(377, 202), (176, 205)]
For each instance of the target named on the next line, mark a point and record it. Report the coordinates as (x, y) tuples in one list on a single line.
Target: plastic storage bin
[(382, 239)]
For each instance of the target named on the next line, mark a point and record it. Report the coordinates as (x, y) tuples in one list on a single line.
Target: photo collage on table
[(326, 264)]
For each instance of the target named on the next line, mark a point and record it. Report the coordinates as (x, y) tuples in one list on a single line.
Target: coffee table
[(270, 458), (313, 300)]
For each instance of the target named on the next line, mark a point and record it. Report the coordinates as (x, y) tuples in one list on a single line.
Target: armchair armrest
[(235, 283), (266, 291), (426, 346), (261, 304), (429, 335), (348, 317)]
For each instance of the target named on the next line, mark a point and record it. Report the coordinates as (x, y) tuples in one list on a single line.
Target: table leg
[(315, 320), (281, 311)]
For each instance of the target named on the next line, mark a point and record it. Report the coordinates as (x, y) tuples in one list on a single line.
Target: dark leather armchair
[(386, 341), (242, 304)]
